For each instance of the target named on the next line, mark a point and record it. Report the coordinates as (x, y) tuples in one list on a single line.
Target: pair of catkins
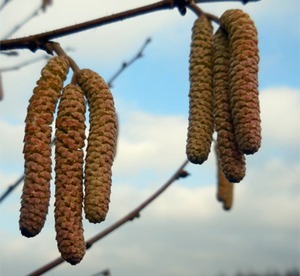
[(224, 92), (69, 155)]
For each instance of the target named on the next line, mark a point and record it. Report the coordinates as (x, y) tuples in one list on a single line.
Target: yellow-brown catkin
[(70, 137), (231, 158), (244, 58), (224, 187), (101, 147), (37, 146), (200, 127)]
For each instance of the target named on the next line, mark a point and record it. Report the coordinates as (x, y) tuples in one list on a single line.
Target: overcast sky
[(185, 231)]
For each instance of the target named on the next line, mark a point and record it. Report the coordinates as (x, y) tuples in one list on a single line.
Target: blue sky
[(185, 231)]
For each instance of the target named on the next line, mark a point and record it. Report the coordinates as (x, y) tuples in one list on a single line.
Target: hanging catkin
[(224, 186), (37, 149), (200, 128), (232, 160), (101, 145), (244, 60), (70, 137)]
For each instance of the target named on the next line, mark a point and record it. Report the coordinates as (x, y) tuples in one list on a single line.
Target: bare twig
[(127, 64), (139, 54), (129, 217), (38, 41), (21, 24), (25, 63), (5, 2)]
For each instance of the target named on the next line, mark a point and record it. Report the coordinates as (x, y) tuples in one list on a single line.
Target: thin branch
[(127, 64), (21, 178), (25, 63), (129, 217), (38, 41), (5, 2), (21, 24)]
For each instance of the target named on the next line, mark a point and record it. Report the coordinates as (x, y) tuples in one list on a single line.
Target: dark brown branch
[(38, 41), (129, 217), (35, 42)]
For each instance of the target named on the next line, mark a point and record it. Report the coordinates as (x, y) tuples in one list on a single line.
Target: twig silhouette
[(113, 78), (126, 64), (35, 42), (135, 213), (25, 63), (5, 2), (22, 23)]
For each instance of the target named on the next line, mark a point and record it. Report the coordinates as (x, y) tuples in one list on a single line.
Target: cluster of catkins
[(224, 96), (69, 155)]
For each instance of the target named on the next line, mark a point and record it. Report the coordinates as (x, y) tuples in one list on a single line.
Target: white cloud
[(149, 141), (280, 113)]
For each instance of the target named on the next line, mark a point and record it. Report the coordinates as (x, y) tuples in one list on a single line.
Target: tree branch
[(35, 42), (129, 217)]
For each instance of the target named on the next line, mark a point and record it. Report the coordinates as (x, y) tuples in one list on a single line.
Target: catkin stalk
[(101, 147), (37, 149), (70, 137), (201, 126)]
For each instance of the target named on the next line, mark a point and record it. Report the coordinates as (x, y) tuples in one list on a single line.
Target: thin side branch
[(21, 24), (127, 64), (129, 217)]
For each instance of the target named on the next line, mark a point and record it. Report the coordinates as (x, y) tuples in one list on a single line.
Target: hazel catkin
[(244, 58), (101, 145), (231, 159), (200, 125), (37, 146), (224, 186), (70, 140)]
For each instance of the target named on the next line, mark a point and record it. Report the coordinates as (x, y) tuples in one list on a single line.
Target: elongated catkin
[(37, 149), (200, 127), (101, 145), (232, 160), (224, 186), (70, 137), (244, 60)]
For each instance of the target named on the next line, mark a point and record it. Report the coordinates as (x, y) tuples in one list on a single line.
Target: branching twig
[(38, 41), (127, 64), (129, 217), (139, 55), (21, 24)]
